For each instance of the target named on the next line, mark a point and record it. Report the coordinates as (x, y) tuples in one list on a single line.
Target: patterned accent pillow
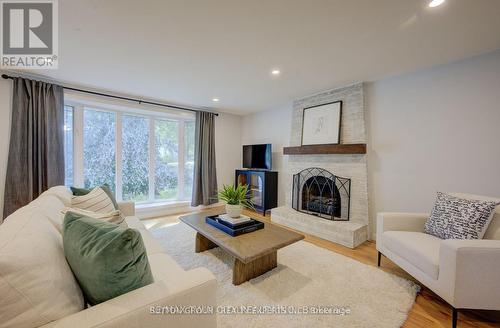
[(458, 218), (83, 191), (95, 201)]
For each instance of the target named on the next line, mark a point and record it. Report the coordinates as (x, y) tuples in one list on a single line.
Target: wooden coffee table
[(254, 253)]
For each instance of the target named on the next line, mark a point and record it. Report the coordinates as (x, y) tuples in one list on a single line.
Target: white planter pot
[(233, 211)]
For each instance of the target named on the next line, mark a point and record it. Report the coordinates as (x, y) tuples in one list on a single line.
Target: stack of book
[(234, 226)]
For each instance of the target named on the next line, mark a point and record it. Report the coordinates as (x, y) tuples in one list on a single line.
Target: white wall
[(5, 112), (436, 129), (274, 127), (228, 149)]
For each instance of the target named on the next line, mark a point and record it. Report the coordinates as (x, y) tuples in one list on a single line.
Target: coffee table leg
[(203, 243), (245, 271)]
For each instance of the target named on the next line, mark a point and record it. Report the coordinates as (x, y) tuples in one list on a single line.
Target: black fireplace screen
[(317, 191)]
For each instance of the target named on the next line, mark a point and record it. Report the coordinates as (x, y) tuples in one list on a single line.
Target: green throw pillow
[(108, 260), (83, 191)]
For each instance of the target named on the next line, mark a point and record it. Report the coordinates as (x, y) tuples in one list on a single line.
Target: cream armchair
[(465, 273)]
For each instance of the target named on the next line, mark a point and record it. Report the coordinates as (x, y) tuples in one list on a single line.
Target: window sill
[(163, 208), (159, 209), (162, 204)]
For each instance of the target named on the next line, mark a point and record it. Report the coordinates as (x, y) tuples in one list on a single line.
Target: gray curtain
[(205, 175), (36, 152)]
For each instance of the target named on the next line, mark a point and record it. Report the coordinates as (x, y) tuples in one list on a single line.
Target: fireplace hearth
[(318, 192)]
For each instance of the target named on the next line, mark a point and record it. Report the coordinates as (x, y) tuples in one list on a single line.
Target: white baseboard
[(150, 211)]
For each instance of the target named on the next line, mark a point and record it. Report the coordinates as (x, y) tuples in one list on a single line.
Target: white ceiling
[(188, 51)]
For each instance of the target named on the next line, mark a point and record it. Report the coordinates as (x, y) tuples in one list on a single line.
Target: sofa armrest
[(127, 208), (471, 269), (139, 308), (400, 222)]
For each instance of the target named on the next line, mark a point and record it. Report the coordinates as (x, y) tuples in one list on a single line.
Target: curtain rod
[(5, 76)]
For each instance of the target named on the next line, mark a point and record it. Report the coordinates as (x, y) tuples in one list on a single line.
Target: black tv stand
[(262, 186)]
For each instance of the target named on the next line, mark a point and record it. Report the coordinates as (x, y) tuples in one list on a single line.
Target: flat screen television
[(257, 156)]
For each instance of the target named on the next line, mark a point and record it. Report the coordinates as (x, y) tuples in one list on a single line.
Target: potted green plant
[(235, 198)]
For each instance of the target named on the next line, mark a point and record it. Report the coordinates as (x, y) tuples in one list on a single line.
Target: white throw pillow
[(95, 201), (113, 217), (36, 283)]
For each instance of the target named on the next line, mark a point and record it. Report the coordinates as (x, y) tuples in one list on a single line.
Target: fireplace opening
[(320, 195), (319, 192)]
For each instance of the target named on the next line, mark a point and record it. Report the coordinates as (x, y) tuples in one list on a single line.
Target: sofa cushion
[(51, 202), (163, 267), (134, 222), (108, 260), (61, 192), (36, 283), (49, 206), (152, 245), (420, 249)]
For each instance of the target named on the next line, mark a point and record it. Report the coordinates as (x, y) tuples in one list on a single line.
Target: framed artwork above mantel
[(321, 124)]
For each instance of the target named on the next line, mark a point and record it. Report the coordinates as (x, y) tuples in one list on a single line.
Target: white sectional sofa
[(37, 287), (465, 273)]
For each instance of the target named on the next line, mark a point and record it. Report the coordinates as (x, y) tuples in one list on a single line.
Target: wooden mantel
[(326, 149)]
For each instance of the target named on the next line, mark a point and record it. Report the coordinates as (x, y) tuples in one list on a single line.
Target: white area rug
[(306, 275)]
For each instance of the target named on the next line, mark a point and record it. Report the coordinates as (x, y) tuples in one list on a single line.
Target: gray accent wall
[(433, 130)]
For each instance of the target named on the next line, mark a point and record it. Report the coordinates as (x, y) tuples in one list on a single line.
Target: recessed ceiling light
[(435, 3), (215, 99), (275, 72)]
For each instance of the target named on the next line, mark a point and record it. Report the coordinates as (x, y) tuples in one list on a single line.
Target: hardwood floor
[(429, 310)]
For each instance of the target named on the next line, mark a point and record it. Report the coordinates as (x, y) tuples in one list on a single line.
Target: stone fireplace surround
[(348, 233)]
